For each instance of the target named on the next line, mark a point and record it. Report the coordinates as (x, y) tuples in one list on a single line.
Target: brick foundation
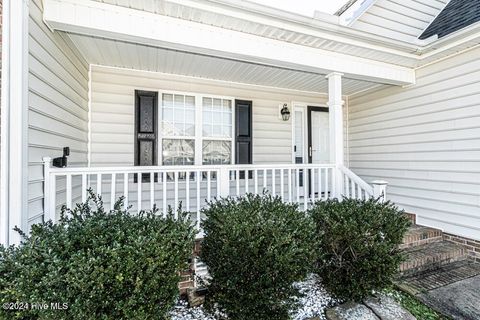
[(187, 276), (411, 217), (472, 246)]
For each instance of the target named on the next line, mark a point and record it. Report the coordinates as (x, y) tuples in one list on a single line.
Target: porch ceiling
[(122, 54)]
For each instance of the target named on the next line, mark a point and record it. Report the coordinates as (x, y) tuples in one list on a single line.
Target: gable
[(399, 19)]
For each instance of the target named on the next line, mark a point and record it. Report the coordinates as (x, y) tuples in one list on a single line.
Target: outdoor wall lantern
[(61, 162), (285, 112)]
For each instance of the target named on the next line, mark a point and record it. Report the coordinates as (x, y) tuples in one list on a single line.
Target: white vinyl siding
[(58, 107), (425, 141), (113, 112)]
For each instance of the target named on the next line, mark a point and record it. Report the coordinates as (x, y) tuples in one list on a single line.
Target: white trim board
[(14, 147)]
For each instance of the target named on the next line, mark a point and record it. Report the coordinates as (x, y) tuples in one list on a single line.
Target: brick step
[(430, 256), (420, 235)]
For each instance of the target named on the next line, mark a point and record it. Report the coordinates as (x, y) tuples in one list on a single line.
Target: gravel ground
[(312, 304)]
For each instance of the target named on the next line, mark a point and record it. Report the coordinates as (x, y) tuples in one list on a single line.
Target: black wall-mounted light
[(61, 162), (285, 112)]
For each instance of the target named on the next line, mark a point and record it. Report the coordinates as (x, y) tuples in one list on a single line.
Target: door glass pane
[(320, 137), (299, 141)]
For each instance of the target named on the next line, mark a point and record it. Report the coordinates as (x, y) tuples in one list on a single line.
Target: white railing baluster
[(112, 191), (175, 176), (353, 190), (197, 175), (319, 183), (273, 182), (347, 191), (69, 191), (84, 187), (305, 192), (187, 190), (152, 190), (264, 179), (237, 181), (297, 174), (53, 198), (164, 191), (312, 183), (246, 181), (328, 193), (289, 185), (255, 181), (99, 184), (125, 189), (209, 186), (359, 192), (282, 187), (139, 192)]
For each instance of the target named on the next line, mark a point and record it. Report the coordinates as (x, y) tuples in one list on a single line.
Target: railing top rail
[(204, 168), (368, 188)]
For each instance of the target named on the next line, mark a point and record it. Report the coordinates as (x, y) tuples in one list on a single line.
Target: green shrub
[(359, 240), (255, 247), (102, 265)]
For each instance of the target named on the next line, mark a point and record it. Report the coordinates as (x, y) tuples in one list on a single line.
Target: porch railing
[(144, 187)]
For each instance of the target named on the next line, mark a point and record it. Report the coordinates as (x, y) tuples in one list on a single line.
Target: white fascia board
[(120, 23)]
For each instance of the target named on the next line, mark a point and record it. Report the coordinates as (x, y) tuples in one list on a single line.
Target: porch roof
[(116, 53), (149, 41)]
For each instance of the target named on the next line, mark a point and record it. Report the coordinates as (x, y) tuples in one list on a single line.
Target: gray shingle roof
[(456, 15)]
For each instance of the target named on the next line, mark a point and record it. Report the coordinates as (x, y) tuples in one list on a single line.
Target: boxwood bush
[(100, 265), (255, 247), (359, 240)]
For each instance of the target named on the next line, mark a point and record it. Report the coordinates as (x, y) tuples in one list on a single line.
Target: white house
[(169, 101)]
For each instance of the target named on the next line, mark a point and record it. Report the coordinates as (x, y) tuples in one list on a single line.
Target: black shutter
[(146, 130), (243, 133)]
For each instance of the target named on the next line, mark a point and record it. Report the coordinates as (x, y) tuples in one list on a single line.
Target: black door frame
[(310, 109)]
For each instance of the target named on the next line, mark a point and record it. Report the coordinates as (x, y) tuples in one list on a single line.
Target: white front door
[(318, 135), (318, 147)]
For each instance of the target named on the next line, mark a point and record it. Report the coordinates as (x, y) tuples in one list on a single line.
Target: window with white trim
[(195, 129), (178, 129), (216, 131)]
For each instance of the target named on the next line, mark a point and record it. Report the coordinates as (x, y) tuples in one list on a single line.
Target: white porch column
[(335, 106), (14, 118)]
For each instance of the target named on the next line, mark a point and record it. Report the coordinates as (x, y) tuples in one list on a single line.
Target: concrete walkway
[(374, 308), (453, 289)]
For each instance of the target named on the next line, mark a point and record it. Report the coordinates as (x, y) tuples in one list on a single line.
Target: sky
[(304, 7)]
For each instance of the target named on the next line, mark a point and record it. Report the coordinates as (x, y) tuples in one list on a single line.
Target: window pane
[(217, 118), (216, 152), (168, 100), (178, 115), (178, 152), (190, 102)]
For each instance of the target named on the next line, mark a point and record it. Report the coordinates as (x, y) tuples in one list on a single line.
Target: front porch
[(185, 119)]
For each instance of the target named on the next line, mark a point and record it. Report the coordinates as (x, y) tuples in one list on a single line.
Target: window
[(216, 131), (178, 129), (196, 129)]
